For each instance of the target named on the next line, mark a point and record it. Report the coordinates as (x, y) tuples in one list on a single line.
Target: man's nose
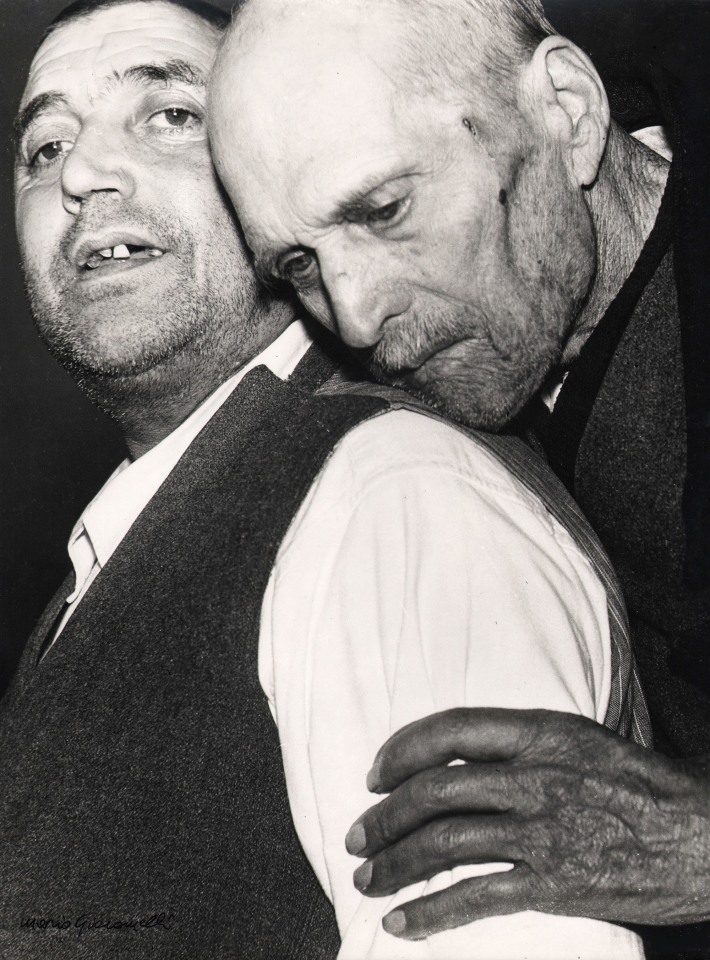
[(363, 295), (97, 163)]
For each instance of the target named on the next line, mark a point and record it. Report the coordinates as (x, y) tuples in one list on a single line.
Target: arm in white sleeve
[(417, 576)]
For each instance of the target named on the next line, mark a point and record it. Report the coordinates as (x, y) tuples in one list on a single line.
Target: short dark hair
[(81, 8)]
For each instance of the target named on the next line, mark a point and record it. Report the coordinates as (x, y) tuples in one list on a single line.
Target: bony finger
[(407, 808), (463, 902), (462, 733), (433, 793), (390, 819), (441, 845)]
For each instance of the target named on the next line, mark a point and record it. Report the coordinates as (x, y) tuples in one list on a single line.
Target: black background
[(56, 449)]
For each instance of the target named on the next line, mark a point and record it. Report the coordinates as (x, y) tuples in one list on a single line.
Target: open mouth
[(122, 253)]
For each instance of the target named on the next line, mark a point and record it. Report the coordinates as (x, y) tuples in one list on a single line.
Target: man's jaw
[(486, 395)]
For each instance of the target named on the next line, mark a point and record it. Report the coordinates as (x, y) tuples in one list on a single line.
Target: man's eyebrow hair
[(37, 105), (172, 71)]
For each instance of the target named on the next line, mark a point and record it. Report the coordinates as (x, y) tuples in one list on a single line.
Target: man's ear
[(561, 86)]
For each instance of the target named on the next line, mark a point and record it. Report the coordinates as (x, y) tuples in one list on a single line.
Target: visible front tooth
[(152, 252), (106, 254), (121, 252)]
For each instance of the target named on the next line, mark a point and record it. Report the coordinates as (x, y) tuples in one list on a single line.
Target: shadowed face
[(447, 246), (131, 254)]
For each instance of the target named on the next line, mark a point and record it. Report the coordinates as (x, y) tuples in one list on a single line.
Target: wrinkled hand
[(594, 825)]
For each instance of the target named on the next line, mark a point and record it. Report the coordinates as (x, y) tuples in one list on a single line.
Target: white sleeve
[(418, 576)]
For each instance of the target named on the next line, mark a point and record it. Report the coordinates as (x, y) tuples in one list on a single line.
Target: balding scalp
[(460, 44)]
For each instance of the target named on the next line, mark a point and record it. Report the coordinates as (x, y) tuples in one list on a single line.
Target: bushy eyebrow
[(38, 105), (148, 74), (172, 71)]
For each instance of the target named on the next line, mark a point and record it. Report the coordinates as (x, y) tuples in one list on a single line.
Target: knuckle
[(439, 789), (378, 827), (464, 897), (381, 871), (528, 792), (385, 821), (446, 837)]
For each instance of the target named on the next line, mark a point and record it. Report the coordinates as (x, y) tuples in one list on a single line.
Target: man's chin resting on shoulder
[(443, 188)]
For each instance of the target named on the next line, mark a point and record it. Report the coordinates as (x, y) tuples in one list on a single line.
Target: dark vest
[(617, 438), (140, 768)]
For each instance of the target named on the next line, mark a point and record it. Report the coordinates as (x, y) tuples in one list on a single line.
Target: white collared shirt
[(417, 575), (117, 505)]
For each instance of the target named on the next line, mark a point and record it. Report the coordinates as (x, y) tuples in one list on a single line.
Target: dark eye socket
[(297, 267), (385, 213)]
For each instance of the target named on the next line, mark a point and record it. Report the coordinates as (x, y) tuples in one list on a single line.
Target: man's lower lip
[(422, 372), (417, 375)]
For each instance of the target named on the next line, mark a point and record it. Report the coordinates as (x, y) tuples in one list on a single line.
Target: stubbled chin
[(471, 399)]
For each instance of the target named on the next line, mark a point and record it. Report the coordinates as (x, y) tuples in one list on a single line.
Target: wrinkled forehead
[(79, 56), (299, 108)]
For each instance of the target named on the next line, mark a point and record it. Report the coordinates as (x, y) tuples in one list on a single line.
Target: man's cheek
[(34, 234)]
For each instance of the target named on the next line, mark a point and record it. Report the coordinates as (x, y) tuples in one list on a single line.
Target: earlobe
[(568, 93)]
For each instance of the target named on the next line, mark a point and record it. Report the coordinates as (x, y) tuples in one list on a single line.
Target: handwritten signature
[(84, 923)]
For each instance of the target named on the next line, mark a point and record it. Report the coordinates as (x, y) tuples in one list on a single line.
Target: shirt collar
[(114, 509)]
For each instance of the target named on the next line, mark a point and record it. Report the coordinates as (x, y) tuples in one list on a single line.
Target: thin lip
[(91, 243), (408, 372)]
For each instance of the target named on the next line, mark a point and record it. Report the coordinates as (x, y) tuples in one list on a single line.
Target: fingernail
[(362, 876), (373, 777), (355, 840), (394, 923)]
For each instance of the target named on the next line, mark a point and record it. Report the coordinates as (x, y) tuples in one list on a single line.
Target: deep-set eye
[(386, 213), (50, 152), (297, 267)]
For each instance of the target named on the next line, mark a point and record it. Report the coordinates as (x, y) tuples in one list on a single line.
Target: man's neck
[(143, 433), (623, 204), (153, 415), (149, 406)]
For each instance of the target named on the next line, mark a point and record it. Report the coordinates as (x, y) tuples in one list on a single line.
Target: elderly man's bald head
[(442, 42), (416, 170), (468, 52)]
